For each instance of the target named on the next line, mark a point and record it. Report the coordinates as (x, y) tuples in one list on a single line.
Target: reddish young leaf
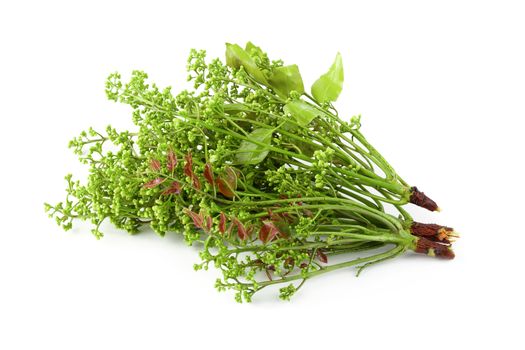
[(268, 231), (173, 189), (227, 182), (154, 164), (172, 160), (231, 175), (154, 183), (224, 188), (322, 256), (198, 219), (241, 230), (208, 174), (188, 171), (209, 224), (188, 166), (196, 183), (222, 223)]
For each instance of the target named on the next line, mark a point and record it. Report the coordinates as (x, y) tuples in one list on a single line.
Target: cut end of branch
[(420, 199), (438, 249), (433, 232)]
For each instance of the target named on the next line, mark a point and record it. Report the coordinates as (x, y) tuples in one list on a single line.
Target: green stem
[(394, 251), (391, 222)]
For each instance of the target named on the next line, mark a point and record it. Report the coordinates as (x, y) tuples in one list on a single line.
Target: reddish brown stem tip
[(433, 232), (420, 199), (437, 249)]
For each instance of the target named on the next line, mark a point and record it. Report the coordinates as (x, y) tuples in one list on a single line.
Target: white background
[(441, 87)]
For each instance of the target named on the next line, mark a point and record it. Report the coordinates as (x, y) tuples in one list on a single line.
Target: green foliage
[(328, 87), (286, 79), (255, 150), (303, 112), (255, 51), (237, 57), (244, 166)]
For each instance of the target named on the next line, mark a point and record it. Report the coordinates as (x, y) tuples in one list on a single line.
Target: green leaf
[(328, 87), (286, 79), (236, 57), (302, 111), (233, 108), (254, 50), (251, 153)]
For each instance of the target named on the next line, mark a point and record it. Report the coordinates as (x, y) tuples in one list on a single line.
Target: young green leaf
[(252, 153), (285, 80), (233, 108), (254, 50), (302, 112), (236, 57), (328, 87)]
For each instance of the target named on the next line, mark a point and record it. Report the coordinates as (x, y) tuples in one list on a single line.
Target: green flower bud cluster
[(287, 292)]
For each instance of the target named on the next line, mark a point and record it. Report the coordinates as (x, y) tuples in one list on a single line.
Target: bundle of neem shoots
[(265, 177)]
